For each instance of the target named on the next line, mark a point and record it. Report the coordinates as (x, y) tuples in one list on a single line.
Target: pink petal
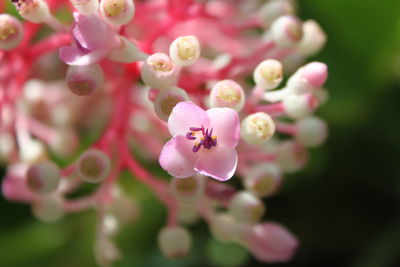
[(185, 115), (226, 125), (315, 73), (177, 158), (71, 55), (219, 162), (93, 33)]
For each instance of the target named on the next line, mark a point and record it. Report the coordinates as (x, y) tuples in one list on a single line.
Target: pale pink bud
[(11, 32), (93, 166), (291, 156), (185, 50), (166, 100), (308, 78), (159, 72), (314, 38), (226, 229), (117, 12), (263, 180), (127, 52), (311, 131), (227, 93), (271, 242), (36, 11), (86, 7), (257, 128), (83, 80), (268, 74), (274, 9), (299, 106), (174, 241), (246, 208), (49, 208), (43, 177), (287, 31), (187, 189)]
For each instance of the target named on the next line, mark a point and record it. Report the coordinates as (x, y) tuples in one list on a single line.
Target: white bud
[(246, 207), (263, 180), (287, 31), (226, 229), (11, 32), (86, 7), (167, 100), (43, 177), (33, 152), (274, 9), (314, 38), (93, 166), (187, 189), (159, 72), (227, 93), (268, 74), (174, 241), (291, 156), (127, 52), (185, 50), (311, 131), (36, 11), (49, 208), (117, 12), (257, 128), (83, 80), (299, 106)]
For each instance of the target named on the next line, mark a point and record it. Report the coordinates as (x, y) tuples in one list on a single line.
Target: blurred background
[(344, 207)]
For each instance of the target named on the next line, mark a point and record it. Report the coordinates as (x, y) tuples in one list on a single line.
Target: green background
[(344, 207)]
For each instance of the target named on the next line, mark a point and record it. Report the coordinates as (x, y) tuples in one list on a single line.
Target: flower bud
[(270, 242), (167, 100), (86, 7), (43, 178), (314, 38), (187, 189), (32, 152), (268, 74), (117, 12), (7, 145), (299, 106), (227, 93), (106, 251), (246, 207), (274, 9), (174, 241), (185, 50), (11, 32), (226, 229), (257, 128), (93, 166), (187, 214), (311, 131), (159, 72), (127, 52), (83, 80), (263, 180), (287, 31), (322, 95), (291, 156), (49, 208), (36, 11), (109, 225), (309, 77)]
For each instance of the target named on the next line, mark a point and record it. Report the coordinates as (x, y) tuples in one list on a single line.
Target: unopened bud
[(36, 11), (49, 208), (86, 7), (117, 12), (291, 156), (158, 71), (307, 78), (314, 38), (128, 52), (33, 152), (246, 208), (166, 100), (268, 74), (227, 93), (11, 32), (257, 128), (263, 180), (83, 80), (187, 189), (287, 31), (174, 241), (299, 106), (93, 166), (274, 9), (311, 131), (185, 50), (43, 178)]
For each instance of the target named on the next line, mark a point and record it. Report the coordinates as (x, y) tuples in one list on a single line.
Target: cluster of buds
[(175, 83)]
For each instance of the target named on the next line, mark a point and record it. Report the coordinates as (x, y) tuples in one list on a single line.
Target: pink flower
[(203, 141), (94, 40)]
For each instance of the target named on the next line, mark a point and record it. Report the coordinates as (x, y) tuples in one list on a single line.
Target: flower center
[(207, 140), (7, 29)]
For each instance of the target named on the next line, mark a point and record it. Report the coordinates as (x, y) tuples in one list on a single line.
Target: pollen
[(114, 7), (7, 29)]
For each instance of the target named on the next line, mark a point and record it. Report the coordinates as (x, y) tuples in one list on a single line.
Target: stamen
[(190, 136), (207, 141), (196, 147)]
